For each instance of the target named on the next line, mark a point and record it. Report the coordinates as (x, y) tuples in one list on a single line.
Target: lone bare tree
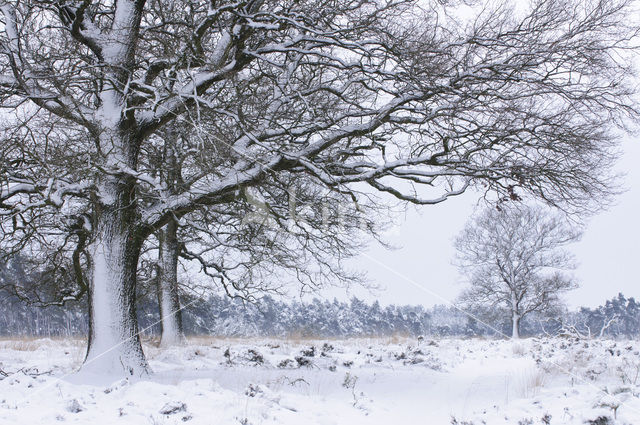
[(365, 99), (513, 257)]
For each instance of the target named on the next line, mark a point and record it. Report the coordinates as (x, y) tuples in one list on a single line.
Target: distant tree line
[(223, 316), (618, 317)]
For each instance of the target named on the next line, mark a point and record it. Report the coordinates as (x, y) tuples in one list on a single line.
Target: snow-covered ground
[(361, 381)]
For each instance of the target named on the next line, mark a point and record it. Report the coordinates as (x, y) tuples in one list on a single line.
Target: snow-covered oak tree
[(513, 257), (394, 97)]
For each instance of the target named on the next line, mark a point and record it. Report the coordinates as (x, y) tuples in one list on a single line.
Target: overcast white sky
[(420, 271)]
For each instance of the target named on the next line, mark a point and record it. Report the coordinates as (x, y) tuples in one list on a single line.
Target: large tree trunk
[(114, 344), (168, 298)]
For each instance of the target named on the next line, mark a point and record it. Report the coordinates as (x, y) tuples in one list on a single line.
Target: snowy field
[(305, 382)]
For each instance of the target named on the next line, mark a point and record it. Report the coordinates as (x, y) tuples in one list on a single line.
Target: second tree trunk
[(168, 297)]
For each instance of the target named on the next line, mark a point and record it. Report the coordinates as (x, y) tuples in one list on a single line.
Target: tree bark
[(114, 346), (168, 297), (114, 343)]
